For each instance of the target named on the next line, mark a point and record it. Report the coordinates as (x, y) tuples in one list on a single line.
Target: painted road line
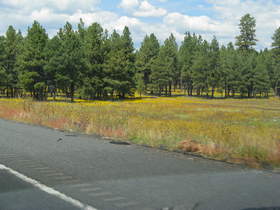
[(7, 155), (100, 194), (42, 168), (61, 178), (47, 189), (31, 166), (49, 174), (114, 199)]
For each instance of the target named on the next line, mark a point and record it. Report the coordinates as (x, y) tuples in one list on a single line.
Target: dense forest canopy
[(89, 63)]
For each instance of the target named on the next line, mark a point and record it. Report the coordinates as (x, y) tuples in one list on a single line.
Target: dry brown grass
[(246, 131)]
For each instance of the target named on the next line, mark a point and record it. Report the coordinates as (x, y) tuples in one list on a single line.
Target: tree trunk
[(72, 90), (213, 92)]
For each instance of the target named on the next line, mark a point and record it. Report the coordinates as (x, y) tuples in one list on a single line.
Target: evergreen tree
[(245, 42), (214, 72), (247, 38), (186, 56), (53, 52), (147, 53), (230, 69), (275, 73), (165, 66), (89, 63), (95, 51), (31, 62), (72, 64), (3, 72), (119, 66), (201, 69), (261, 77), (12, 47), (81, 30), (171, 51), (160, 75), (247, 81)]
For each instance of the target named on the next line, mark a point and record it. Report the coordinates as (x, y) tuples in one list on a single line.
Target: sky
[(208, 18)]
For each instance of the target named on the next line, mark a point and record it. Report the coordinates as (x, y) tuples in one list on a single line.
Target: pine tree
[(53, 52), (275, 73), (171, 51), (70, 70), (247, 82), (147, 53), (31, 62), (3, 72), (230, 69), (165, 66), (12, 47), (186, 56), (119, 66), (94, 39), (261, 77), (245, 42), (201, 68), (160, 75), (214, 73), (247, 38)]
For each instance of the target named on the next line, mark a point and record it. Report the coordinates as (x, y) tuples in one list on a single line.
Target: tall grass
[(246, 131)]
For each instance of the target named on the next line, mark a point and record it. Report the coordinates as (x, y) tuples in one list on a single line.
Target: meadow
[(234, 130)]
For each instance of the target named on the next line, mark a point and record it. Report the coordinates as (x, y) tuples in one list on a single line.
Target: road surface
[(41, 168)]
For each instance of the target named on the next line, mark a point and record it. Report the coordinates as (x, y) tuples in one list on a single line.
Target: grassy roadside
[(240, 131)]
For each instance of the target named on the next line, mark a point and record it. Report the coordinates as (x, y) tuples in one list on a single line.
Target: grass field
[(240, 131)]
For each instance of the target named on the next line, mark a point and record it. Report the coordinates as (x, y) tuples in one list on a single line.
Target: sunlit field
[(239, 131)]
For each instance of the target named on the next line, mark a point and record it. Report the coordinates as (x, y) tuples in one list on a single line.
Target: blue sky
[(209, 18)]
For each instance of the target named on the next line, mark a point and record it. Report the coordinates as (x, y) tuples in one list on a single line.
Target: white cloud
[(102, 17), (196, 23), (142, 8), (145, 9), (59, 5), (129, 4), (46, 15)]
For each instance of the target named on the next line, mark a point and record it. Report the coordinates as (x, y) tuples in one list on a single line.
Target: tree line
[(89, 63)]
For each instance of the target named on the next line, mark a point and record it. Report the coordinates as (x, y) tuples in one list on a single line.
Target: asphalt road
[(106, 176)]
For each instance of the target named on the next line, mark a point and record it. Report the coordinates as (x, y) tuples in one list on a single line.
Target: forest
[(90, 63)]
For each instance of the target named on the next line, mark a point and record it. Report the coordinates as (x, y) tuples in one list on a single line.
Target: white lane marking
[(46, 170), (31, 166), (7, 155), (114, 199), (43, 168), (82, 185), (47, 189), (51, 173), (99, 194), (58, 178)]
